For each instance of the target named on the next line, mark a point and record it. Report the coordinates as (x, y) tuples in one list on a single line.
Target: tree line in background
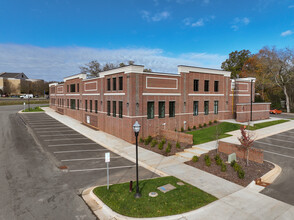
[(274, 72), (93, 68)]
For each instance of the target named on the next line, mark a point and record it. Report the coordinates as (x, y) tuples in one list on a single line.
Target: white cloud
[(54, 63), (286, 33), (200, 22), (237, 22), (146, 15)]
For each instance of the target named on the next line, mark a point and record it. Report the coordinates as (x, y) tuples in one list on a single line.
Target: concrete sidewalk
[(234, 200)]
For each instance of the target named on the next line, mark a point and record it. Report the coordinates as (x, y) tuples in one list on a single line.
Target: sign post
[(24, 106), (107, 160)]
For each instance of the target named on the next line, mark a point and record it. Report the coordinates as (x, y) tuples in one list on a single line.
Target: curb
[(270, 176), (21, 112)]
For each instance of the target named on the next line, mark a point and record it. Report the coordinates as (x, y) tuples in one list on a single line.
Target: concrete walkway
[(234, 200)]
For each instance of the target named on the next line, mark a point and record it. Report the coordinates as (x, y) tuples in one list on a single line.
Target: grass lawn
[(208, 134), (20, 102), (182, 199), (36, 109), (267, 124)]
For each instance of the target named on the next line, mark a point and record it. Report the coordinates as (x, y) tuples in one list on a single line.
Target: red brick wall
[(177, 136), (259, 111), (255, 155)]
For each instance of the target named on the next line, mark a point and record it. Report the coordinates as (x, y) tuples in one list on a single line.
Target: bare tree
[(93, 68), (246, 141)]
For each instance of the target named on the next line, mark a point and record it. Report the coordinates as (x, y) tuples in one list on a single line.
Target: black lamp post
[(136, 128)]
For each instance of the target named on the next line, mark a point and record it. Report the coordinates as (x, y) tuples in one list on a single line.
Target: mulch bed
[(173, 151), (252, 172)]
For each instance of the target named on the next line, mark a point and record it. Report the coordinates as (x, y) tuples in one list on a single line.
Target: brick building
[(117, 98)]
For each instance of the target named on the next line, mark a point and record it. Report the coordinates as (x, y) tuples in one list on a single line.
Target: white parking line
[(97, 158), (78, 151), (49, 135), (66, 139), (60, 145), (95, 169), (270, 152), (275, 145), (279, 140)]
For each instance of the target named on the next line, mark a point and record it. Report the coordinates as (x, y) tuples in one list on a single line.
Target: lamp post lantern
[(136, 128)]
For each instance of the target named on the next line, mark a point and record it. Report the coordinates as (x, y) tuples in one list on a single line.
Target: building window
[(120, 109), (108, 84), (91, 105), (108, 108), (96, 106), (68, 103), (206, 107), (216, 86), (216, 107), (161, 109), (172, 108), (113, 83), (196, 85), (78, 87), (120, 83), (206, 85), (86, 105), (195, 108), (72, 104), (78, 104), (67, 88), (150, 110), (114, 108), (72, 87)]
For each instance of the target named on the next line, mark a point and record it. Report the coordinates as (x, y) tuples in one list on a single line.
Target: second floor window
[(161, 109), (96, 106), (172, 109), (72, 104), (196, 85), (113, 83), (206, 85), (86, 105), (78, 104), (108, 84), (91, 102), (72, 87), (114, 108), (120, 109), (120, 83), (150, 110), (108, 108), (216, 86)]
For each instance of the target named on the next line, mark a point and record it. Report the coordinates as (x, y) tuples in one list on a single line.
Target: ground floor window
[(68, 103), (72, 104), (206, 107), (195, 108), (120, 109), (172, 108), (114, 108), (215, 107), (161, 109), (96, 106), (150, 110), (78, 104), (91, 102), (86, 105), (108, 108)]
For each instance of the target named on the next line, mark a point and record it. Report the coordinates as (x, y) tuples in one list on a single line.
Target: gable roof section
[(13, 75)]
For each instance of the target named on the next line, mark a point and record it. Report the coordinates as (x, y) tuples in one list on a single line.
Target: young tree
[(236, 61), (246, 141), (218, 132)]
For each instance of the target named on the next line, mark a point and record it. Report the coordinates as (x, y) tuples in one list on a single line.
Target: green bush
[(160, 146), (189, 129), (154, 142), (195, 159), (237, 167), (141, 140), (210, 123), (182, 129), (167, 150), (241, 174), (207, 160), (215, 121), (178, 145), (204, 125), (233, 163), (194, 127), (200, 126), (148, 140), (163, 141), (217, 157), (224, 167), (219, 161), (169, 145)]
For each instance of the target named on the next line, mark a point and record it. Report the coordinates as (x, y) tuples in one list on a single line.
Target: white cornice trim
[(79, 76), (125, 69), (188, 69), (91, 94), (192, 94), (121, 93), (53, 84), (167, 94)]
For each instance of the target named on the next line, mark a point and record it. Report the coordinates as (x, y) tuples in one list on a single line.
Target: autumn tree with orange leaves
[(246, 141)]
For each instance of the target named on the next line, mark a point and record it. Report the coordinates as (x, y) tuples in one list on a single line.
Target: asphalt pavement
[(31, 184)]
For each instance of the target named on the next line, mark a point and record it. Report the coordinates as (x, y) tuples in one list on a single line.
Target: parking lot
[(279, 149), (84, 159)]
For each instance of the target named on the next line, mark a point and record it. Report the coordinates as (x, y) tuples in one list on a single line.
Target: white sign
[(107, 157), (88, 119)]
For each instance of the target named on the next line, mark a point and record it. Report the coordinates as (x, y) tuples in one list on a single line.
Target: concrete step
[(195, 151), (201, 149), (186, 155)]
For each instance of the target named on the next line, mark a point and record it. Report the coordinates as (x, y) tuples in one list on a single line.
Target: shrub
[(195, 159), (153, 143), (217, 157), (206, 157), (178, 145), (194, 127), (204, 125), (233, 163), (237, 167), (224, 167), (175, 130), (200, 126), (141, 140), (163, 141), (167, 150), (189, 129), (160, 146), (241, 174), (182, 129), (215, 121), (207, 160), (169, 145), (219, 161), (210, 123), (148, 140)]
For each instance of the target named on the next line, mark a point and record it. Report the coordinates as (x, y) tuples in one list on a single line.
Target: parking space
[(84, 158), (279, 149)]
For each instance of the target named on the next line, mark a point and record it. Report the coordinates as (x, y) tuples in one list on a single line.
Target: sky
[(51, 39)]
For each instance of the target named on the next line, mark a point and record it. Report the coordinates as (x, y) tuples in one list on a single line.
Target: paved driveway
[(84, 159), (279, 149)]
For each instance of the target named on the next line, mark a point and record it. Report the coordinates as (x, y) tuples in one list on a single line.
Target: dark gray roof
[(13, 75)]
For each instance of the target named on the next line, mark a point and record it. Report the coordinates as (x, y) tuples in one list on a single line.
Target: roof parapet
[(79, 75), (187, 69)]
